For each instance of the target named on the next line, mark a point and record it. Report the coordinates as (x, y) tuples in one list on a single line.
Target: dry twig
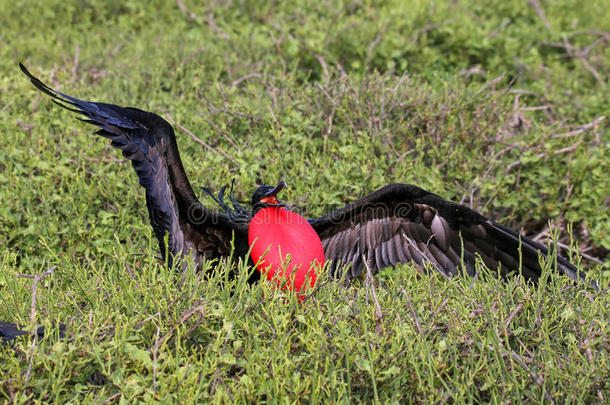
[(535, 4), (370, 285), (37, 279), (199, 140), (415, 317)]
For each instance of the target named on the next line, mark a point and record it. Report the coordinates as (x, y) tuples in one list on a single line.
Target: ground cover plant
[(501, 106)]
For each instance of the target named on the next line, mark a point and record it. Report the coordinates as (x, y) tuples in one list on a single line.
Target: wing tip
[(575, 274), (40, 85), (24, 69), (35, 81), (530, 247), (59, 98)]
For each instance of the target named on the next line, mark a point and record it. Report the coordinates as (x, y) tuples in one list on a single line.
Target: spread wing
[(150, 143), (401, 223)]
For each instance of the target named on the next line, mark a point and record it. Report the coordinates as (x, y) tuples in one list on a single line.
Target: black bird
[(10, 331), (398, 223)]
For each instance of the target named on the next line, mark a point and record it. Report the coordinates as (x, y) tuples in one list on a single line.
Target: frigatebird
[(398, 223)]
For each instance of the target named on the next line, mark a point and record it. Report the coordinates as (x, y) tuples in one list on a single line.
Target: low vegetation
[(501, 106)]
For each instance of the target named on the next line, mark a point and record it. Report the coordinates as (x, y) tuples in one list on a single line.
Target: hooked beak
[(280, 186), (270, 197)]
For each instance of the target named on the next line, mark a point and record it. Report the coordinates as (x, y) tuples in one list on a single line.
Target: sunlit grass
[(476, 104)]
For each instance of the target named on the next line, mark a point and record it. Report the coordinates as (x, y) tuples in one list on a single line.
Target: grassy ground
[(501, 106)]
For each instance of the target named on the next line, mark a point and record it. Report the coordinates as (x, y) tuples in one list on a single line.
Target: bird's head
[(266, 196)]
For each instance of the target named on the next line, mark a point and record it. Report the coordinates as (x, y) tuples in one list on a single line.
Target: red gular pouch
[(285, 248)]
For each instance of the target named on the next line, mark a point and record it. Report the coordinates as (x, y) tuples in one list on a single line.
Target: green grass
[(495, 106)]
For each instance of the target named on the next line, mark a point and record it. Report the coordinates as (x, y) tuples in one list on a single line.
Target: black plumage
[(398, 223), (10, 331), (401, 223), (150, 143)]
